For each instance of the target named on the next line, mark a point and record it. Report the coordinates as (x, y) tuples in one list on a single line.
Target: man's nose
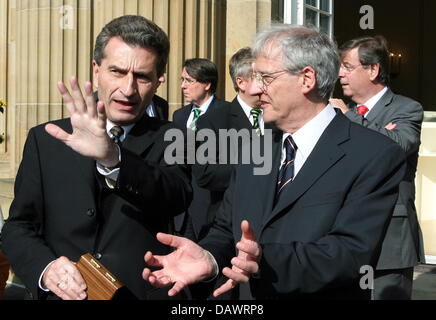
[(341, 72), (255, 88), (128, 87)]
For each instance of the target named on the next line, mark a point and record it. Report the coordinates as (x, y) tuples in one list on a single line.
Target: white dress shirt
[(307, 137), (150, 111), (113, 174), (203, 109), (373, 101)]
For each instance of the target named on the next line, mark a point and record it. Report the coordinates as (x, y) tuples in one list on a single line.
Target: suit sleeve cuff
[(40, 284)]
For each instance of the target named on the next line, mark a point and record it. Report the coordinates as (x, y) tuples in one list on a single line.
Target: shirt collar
[(308, 135), (126, 129), (245, 107), (205, 105), (372, 102)]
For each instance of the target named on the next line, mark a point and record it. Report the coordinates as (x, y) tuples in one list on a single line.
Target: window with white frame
[(318, 13)]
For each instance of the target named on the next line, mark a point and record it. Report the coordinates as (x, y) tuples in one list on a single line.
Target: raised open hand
[(88, 119)]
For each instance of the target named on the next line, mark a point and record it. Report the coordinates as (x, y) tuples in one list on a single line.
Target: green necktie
[(197, 113), (255, 114)]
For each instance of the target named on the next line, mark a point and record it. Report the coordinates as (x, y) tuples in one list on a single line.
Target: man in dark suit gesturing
[(364, 77), (319, 217), (97, 182)]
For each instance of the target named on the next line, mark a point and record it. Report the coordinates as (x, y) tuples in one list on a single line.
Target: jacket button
[(97, 255), (90, 212)]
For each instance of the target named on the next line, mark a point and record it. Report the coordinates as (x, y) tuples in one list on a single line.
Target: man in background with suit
[(321, 214), (199, 83), (242, 113), (98, 182), (364, 77)]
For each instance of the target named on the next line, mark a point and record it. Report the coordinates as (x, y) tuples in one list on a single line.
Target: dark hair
[(202, 70), (240, 65), (372, 50), (136, 31)]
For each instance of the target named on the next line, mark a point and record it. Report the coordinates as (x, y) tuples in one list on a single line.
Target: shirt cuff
[(40, 285), (110, 174), (215, 268)]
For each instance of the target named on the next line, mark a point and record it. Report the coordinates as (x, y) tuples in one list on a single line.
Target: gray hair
[(240, 65), (136, 31), (301, 47)]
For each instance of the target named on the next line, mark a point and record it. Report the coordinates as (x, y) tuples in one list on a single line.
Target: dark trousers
[(393, 284)]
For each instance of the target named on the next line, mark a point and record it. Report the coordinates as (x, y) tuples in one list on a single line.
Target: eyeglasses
[(348, 68), (188, 81), (265, 79)]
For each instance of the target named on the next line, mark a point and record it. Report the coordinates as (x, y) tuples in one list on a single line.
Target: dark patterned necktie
[(255, 113), (286, 174), (116, 132), (197, 113)]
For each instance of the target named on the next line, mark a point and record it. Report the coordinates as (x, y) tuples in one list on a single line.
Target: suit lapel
[(384, 101), (186, 112), (325, 154), (238, 118), (262, 187), (141, 135), (86, 166)]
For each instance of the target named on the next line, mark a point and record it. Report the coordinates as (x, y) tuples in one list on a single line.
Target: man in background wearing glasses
[(308, 228), (364, 77), (199, 82)]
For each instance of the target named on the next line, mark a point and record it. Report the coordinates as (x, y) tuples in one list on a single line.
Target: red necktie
[(362, 110)]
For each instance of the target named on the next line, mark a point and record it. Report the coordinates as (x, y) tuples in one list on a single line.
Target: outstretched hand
[(245, 264), (88, 120), (188, 264)]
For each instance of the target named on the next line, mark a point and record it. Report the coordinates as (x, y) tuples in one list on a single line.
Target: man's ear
[(241, 83), (308, 79), (95, 73), (207, 88), (374, 71)]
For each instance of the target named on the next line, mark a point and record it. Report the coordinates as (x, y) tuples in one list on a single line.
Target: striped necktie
[(255, 113), (117, 132), (286, 174), (197, 113)]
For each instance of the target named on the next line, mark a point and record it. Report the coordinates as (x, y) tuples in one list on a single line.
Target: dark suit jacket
[(62, 208), (403, 245), (160, 107), (199, 210), (329, 223)]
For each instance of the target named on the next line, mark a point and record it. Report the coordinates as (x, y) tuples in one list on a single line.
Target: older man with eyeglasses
[(308, 228)]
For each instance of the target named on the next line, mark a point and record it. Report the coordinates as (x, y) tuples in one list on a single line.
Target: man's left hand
[(88, 119), (245, 264)]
